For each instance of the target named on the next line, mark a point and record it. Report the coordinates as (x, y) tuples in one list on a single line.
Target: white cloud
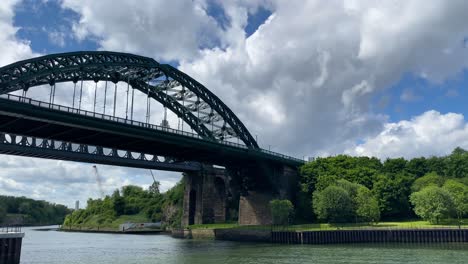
[(167, 30), (323, 62), (13, 49), (428, 134)]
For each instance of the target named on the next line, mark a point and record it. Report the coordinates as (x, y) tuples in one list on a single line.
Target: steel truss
[(203, 111), (20, 145)]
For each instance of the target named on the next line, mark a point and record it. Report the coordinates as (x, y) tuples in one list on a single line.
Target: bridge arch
[(202, 110)]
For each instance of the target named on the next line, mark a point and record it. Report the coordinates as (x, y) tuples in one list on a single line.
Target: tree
[(457, 163), (459, 193), (3, 213), (417, 167), (333, 204), (154, 188), (118, 202), (392, 191), (432, 203), (394, 166), (281, 211), (367, 206), (431, 178)]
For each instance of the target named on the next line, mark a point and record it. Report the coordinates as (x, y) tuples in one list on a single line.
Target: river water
[(77, 248)]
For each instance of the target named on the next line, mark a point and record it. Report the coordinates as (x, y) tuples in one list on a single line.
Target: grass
[(416, 224), (92, 222)]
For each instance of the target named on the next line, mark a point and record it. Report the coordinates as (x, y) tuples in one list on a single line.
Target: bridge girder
[(142, 73), (20, 145)]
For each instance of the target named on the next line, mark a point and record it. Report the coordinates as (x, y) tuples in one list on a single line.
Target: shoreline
[(109, 231), (427, 235)]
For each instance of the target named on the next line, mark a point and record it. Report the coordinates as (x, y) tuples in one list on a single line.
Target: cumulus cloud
[(428, 134), (307, 73), (13, 49), (168, 30), (324, 60)]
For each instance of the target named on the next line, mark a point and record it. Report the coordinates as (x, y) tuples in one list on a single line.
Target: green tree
[(394, 166), (333, 204), (118, 203), (281, 211), (392, 191), (431, 178), (154, 188), (3, 213), (432, 203), (457, 163), (367, 206), (437, 165), (417, 167), (459, 193)]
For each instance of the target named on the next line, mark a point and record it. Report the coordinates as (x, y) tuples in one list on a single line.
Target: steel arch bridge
[(30, 127)]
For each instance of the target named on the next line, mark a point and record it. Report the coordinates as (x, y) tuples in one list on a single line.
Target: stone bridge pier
[(261, 185), (206, 193), (205, 196)]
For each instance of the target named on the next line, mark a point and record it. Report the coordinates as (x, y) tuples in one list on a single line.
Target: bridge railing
[(68, 109)]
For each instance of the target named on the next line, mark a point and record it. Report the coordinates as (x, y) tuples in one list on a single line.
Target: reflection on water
[(77, 248)]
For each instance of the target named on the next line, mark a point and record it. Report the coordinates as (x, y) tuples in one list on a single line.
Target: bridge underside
[(33, 121)]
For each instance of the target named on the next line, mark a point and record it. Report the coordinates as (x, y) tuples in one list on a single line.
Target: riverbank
[(414, 224), (328, 236), (110, 230), (385, 232)]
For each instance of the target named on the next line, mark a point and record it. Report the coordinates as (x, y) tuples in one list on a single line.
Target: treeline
[(132, 200), (348, 189), (22, 210)]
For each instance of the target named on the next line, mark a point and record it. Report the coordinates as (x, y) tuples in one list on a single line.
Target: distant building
[(77, 205)]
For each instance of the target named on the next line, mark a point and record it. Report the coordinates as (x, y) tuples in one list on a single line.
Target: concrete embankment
[(329, 236), (10, 247), (224, 234)]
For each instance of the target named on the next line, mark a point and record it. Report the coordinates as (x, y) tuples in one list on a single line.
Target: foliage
[(333, 204), (367, 206), (431, 178), (154, 188), (432, 203), (281, 211), (392, 191), (34, 212), (459, 193), (2, 213), (130, 202)]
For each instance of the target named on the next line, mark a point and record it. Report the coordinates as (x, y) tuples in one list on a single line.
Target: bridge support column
[(270, 184), (205, 196)]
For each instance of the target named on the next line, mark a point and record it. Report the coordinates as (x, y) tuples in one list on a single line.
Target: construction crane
[(98, 180)]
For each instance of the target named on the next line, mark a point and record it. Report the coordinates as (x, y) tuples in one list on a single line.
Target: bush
[(281, 211), (367, 206), (333, 204), (459, 193), (432, 203)]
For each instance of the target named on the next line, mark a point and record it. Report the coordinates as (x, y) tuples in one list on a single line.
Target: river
[(77, 248)]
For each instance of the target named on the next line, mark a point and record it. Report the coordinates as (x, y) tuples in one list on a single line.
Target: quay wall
[(329, 236), (10, 247), (371, 236)]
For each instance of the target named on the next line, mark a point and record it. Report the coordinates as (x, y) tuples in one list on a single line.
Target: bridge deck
[(29, 117)]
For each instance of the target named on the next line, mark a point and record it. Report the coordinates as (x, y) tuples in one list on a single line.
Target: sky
[(308, 77)]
